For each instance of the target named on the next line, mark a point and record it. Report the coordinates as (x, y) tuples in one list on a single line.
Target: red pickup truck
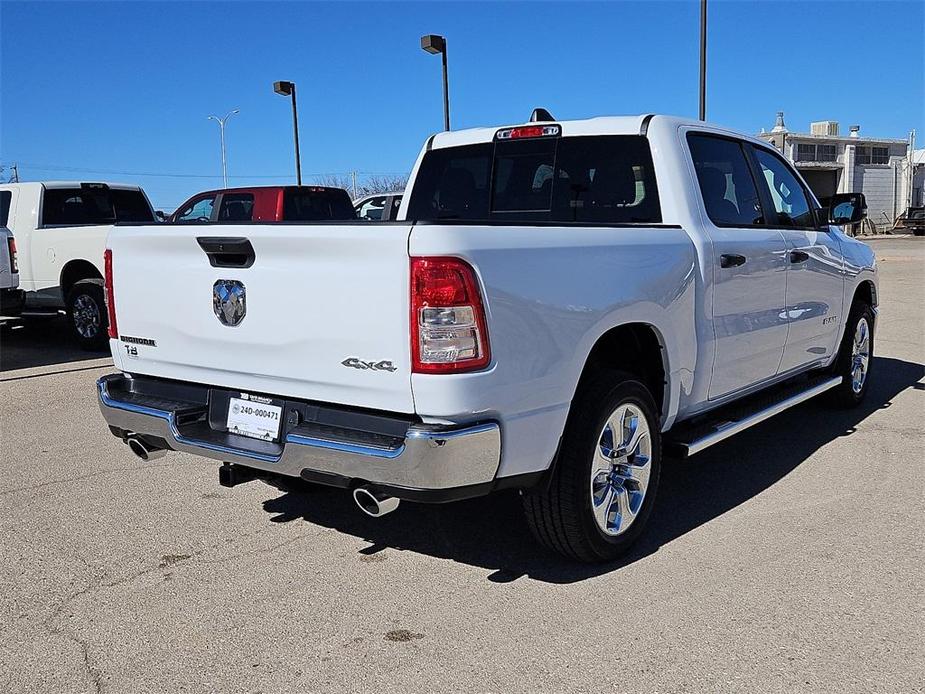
[(267, 204)]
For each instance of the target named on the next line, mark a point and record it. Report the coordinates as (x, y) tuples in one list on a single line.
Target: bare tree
[(336, 181), (366, 184), (382, 183)]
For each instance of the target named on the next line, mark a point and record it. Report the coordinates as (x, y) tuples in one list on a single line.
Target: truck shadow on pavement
[(491, 532), (44, 341)]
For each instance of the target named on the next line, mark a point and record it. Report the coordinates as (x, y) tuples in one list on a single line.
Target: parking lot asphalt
[(789, 558)]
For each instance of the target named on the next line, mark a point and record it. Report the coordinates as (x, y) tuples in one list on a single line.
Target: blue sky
[(92, 87)]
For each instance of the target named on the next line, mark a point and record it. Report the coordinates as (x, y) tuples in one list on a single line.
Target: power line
[(75, 169)]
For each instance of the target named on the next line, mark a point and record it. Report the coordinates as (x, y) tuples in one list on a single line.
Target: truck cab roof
[(52, 185), (600, 125), (251, 189)]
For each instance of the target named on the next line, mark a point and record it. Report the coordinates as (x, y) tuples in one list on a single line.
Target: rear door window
[(606, 179), (236, 207), (198, 210), (726, 184), (317, 204)]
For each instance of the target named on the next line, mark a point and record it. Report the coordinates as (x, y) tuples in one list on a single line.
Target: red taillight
[(110, 295), (14, 263), (448, 328)]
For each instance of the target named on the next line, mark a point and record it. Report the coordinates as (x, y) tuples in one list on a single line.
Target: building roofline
[(837, 138)]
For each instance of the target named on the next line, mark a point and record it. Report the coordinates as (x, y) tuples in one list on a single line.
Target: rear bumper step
[(729, 421), (422, 458)]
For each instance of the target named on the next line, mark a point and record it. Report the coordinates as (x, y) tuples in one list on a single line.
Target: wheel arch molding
[(75, 271), (638, 348)]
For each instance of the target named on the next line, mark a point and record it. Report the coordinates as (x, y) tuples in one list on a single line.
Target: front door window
[(790, 202), (199, 210)]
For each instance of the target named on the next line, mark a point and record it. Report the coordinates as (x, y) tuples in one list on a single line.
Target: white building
[(918, 178), (831, 163)]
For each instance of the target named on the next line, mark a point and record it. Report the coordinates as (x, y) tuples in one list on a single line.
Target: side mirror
[(847, 208)]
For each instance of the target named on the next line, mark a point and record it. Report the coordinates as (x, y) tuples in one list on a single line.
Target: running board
[(41, 313), (725, 422)]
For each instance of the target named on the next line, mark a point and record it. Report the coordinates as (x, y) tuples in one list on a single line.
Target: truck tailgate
[(326, 310)]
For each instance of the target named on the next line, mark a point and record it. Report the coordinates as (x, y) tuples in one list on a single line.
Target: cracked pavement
[(787, 559)]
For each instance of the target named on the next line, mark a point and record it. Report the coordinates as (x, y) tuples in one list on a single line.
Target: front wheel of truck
[(855, 357), (606, 474)]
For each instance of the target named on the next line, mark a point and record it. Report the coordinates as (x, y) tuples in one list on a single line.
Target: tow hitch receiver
[(231, 475)]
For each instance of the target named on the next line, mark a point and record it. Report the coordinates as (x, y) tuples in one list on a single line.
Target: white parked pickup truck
[(557, 304), (60, 229), (11, 296)]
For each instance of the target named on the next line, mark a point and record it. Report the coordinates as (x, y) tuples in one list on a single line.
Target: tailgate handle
[(227, 251)]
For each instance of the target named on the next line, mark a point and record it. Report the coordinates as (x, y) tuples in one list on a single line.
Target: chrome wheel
[(860, 355), (86, 315), (620, 470)]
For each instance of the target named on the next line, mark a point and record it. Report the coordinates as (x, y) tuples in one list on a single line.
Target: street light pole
[(433, 44), (288, 89), (703, 59), (221, 126), (446, 92), (295, 130)]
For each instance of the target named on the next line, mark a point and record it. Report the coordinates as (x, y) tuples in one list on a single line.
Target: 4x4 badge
[(355, 363)]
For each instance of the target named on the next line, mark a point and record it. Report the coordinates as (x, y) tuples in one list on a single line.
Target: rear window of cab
[(94, 205), (606, 179)]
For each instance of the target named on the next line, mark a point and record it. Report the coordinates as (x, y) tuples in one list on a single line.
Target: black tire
[(86, 313), (918, 231), (560, 514), (846, 394)]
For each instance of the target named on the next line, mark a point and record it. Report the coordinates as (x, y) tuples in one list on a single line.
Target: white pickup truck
[(557, 304), (11, 296), (60, 229)]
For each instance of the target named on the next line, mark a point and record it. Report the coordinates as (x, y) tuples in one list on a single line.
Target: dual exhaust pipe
[(144, 450), (374, 503), (371, 501)]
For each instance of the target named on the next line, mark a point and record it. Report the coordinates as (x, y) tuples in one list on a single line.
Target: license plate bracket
[(254, 417)]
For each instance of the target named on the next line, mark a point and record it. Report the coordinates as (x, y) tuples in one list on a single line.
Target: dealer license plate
[(254, 419)]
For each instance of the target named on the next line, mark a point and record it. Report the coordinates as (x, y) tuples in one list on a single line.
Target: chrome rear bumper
[(429, 457)]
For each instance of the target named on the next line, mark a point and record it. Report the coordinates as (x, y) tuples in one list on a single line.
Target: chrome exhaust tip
[(144, 451), (374, 503)]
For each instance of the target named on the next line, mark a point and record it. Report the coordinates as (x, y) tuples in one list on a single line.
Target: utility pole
[(354, 185), (703, 59)]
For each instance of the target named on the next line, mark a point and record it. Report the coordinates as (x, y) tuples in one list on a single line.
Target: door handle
[(798, 257), (731, 260)]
